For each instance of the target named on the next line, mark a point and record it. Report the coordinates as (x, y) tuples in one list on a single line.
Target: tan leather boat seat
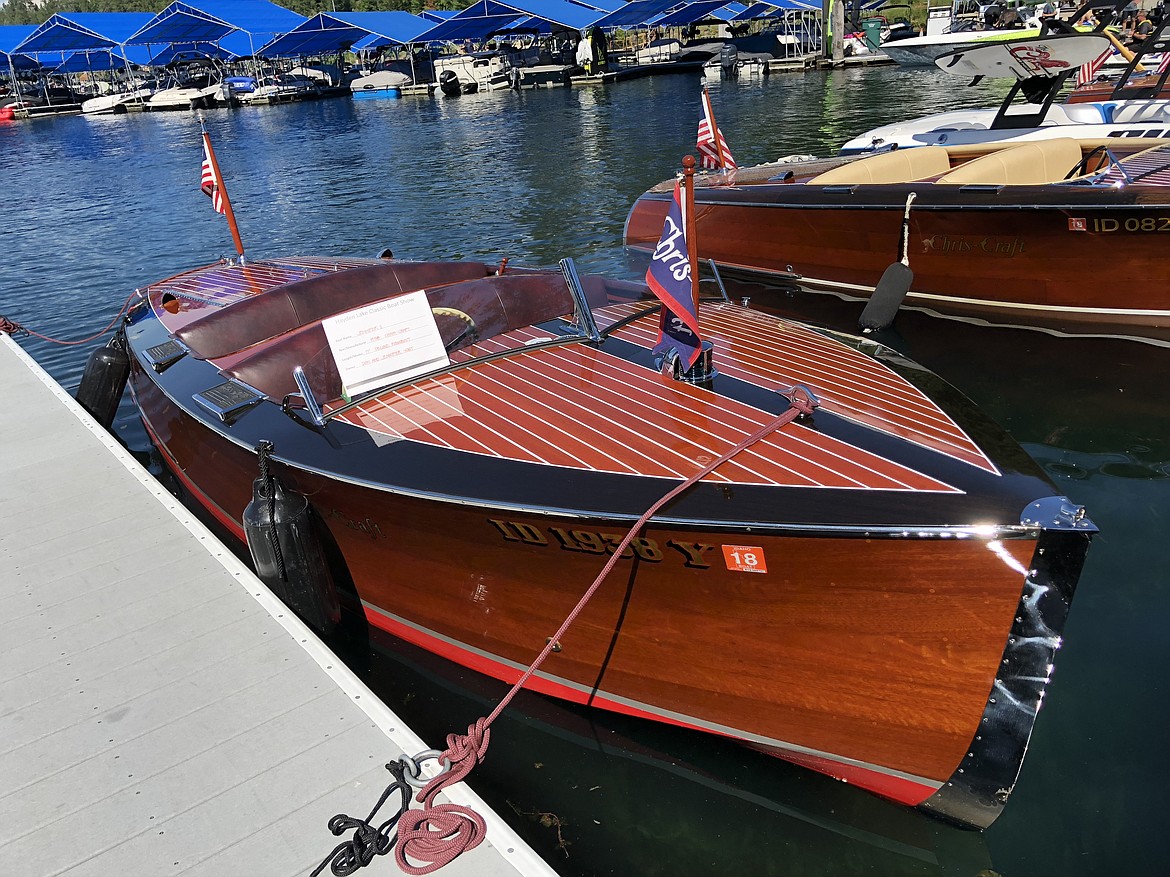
[(1028, 164), (898, 166)]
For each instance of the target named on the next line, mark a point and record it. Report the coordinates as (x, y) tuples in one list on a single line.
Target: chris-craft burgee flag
[(669, 278)]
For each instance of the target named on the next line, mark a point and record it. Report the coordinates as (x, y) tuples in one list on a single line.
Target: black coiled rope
[(367, 841)]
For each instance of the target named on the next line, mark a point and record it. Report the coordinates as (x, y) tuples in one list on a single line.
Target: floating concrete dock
[(161, 712)]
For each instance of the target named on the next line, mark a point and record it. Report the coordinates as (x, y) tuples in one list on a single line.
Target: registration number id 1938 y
[(696, 555)]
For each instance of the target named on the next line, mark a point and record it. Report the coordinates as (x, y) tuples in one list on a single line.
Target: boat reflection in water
[(874, 586)]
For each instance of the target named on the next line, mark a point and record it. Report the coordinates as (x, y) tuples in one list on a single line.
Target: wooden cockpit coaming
[(495, 305)]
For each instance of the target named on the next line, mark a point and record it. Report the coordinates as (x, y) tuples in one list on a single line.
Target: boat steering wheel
[(470, 329), (1082, 166)]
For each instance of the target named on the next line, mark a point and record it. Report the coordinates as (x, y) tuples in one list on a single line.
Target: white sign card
[(386, 342)]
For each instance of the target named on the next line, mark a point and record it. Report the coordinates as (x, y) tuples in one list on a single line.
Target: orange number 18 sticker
[(744, 558)]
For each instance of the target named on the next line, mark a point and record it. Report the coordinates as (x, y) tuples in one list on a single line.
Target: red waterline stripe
[(202, 498), (901, 789)]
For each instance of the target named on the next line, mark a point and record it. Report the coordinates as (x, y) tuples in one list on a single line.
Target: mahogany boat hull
[(878, 636), (1052, 257)]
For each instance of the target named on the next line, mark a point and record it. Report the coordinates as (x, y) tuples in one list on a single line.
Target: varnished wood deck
[(161, 712), (580, 407)]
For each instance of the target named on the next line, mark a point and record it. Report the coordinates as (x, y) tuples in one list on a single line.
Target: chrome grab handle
[(584, 316), (315, 412)]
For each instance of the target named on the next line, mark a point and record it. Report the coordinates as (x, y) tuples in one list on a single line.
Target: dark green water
[(96, 207)]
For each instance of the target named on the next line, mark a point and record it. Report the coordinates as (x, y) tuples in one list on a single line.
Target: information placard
[(385, 343)]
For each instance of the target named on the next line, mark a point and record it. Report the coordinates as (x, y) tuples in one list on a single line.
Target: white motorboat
[(281, 88), (380, 83), (1039, 117), (192, 89), (474, 71), (962, 24), (117, 102)]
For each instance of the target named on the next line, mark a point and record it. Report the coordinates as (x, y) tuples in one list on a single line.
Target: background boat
[(1003, 234)]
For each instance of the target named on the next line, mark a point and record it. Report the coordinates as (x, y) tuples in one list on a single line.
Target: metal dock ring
[(414, 767)]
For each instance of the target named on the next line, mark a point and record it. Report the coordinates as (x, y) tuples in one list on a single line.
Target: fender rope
[(906, 229), (438, 834), (264, 452)]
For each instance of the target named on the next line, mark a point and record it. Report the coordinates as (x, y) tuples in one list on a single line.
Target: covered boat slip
[(163, 712), (840, 593)]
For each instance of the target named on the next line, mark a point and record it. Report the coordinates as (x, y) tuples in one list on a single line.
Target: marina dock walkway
[(161, 712)]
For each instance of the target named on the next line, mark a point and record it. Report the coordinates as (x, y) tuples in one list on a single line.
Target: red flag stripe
[(710, 150), (1089, 70), (210, 185)]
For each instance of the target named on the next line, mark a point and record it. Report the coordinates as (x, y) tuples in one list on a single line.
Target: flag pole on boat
[(714, 153), (689, 225), (211, 183)]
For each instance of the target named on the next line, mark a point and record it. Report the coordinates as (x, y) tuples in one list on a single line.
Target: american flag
[(669, 278), (211, 185), (1164, 63), (1089, 70), (713, 151)]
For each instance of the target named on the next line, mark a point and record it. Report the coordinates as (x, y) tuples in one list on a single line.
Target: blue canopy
[(777, 8), (11, 35), (689, 14), (731, 10), (391, 27), (100, 59), (212, 20), (477, 27), (489, 16), (331, 32), (636, 13), (759, 10), (82, 30)]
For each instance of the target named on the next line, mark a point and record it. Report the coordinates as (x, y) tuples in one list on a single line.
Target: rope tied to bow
[(11, 327)]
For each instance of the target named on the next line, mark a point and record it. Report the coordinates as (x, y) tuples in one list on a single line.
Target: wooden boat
[(875, 590), (1142, 78), (1060, 233)]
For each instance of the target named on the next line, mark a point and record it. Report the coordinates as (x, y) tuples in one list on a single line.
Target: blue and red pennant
[(669, 278)]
